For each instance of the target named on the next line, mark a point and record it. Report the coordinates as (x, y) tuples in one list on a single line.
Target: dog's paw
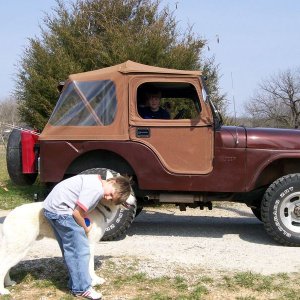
[(4, 292), (97, 281)]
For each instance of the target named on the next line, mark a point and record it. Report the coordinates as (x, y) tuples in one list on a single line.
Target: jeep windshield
[(88, 103)]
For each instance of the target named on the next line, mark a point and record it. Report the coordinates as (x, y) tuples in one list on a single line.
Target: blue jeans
[(75, 249)]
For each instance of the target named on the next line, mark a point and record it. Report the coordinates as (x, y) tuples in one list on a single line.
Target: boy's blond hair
[(122, 185)]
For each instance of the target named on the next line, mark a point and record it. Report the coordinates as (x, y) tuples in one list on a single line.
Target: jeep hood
[(271, 138)]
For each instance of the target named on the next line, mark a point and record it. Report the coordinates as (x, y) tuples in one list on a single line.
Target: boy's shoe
[(89, 294)]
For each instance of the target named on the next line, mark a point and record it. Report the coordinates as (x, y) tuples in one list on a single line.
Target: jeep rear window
[(90, 103)]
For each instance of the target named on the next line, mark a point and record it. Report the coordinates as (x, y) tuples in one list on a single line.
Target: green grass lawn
[(12, 195)]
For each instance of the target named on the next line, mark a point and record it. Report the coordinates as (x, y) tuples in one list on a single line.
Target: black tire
[(120, 224), (281, 210), (123, 218), (14, 160), (257, 212), (138, 210)]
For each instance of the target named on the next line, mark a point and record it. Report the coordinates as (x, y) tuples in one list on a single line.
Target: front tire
[(281, 210), (123, 218), (257, 212)]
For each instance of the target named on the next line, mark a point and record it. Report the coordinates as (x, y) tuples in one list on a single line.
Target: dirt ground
[(226, 239)]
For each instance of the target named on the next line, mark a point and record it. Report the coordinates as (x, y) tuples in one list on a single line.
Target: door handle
[(143, 132)]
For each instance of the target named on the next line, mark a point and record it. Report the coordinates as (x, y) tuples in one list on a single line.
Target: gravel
[(164, 240)]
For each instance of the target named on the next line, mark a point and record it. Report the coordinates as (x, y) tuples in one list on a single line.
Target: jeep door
[(183, 143)]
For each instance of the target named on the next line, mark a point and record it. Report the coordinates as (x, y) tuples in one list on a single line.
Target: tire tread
[(265, 207)]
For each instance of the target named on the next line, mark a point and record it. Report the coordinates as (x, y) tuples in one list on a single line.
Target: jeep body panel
[(146, 165), (273, 138), (271, 153), (233, 163), (184, 146)]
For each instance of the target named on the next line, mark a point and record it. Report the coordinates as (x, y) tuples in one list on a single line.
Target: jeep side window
[(151, 107), (88, 103), (178, 99)]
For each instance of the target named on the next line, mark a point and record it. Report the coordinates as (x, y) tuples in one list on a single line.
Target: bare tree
[(277, 101), (9, 117)]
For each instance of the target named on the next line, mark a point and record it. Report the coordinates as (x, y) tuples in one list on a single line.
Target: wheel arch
[(272, 170), (100, 159)]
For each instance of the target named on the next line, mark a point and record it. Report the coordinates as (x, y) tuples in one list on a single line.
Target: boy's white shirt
[(82, 190)]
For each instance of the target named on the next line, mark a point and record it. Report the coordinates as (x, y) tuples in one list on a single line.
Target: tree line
[(92, 34), (276, 103), (86, 35)]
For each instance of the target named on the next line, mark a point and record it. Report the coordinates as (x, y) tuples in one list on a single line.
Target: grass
[(47, 278), (12, 195)]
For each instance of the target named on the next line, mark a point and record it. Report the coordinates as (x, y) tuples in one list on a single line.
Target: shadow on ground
[(52, 270), (166, 223), (160, 223)]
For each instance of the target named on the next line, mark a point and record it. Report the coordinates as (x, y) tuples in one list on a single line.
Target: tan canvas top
[(131, 67), (117, 74)]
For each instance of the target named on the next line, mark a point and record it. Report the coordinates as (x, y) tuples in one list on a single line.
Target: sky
[(250, 40)]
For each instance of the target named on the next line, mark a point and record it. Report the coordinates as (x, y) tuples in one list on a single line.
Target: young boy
[(66, 207), (153, 110)]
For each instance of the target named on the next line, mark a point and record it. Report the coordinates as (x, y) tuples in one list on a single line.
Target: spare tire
[(124, 216), (14, 160)]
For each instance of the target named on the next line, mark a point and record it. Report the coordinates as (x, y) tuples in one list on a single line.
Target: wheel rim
[(289, 212)]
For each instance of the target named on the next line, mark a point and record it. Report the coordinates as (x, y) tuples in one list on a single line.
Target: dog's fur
[(27, 223)]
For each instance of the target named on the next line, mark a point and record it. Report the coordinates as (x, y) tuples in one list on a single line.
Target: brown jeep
[(189, 158)]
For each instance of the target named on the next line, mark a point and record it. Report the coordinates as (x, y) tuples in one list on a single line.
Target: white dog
[(26, 224)]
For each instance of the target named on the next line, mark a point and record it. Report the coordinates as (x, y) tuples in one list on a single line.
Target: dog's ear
[(109, 174)]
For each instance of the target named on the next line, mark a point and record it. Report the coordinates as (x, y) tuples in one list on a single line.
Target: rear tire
[(123, 218), (281, 210), (138, 210), (14, 160)]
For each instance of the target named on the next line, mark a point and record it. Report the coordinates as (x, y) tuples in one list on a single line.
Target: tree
[(92, 34), (277, 101), (9, 116)]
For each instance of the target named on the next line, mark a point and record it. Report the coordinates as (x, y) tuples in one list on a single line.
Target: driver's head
[(154, 100)]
